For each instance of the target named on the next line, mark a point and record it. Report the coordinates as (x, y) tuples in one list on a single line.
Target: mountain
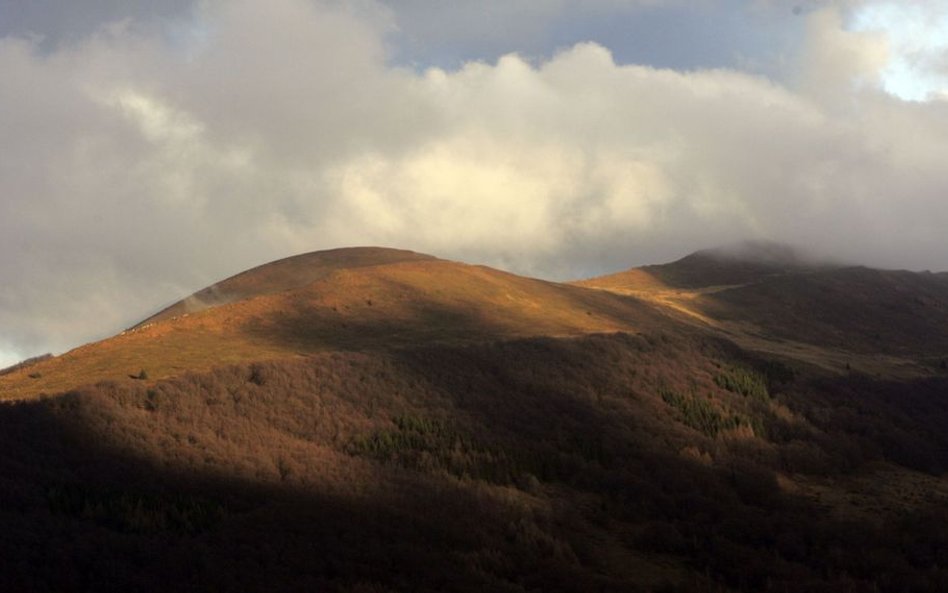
[(282, 275), (348, 299), (740, 263), (772, 298), (743, 419)]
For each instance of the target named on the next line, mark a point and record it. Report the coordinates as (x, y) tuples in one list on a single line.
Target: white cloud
[(137, 169), (917, 33), (837, 62)]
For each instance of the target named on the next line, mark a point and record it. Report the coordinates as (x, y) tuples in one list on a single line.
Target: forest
[(608, 462)]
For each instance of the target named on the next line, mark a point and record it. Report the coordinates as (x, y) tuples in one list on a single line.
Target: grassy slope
[(284, 274), (355, 306)]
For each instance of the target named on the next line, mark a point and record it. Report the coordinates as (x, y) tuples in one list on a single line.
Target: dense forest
[(610, 462)]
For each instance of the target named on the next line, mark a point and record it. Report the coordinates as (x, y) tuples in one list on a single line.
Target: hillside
[(377, 420), (282, 275), (350, 299), (853, 308), (736, 264), (771, 298)]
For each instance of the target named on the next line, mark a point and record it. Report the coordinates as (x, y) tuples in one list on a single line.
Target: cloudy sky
[(148, 149)]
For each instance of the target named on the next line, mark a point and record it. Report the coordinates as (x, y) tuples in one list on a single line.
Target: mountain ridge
[(360, 298), (765, 296), (736, 263), (282, 274)]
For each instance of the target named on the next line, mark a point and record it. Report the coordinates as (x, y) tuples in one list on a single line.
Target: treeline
[(604, 463)]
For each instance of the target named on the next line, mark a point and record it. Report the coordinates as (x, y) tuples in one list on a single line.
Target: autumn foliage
[(614, 462)]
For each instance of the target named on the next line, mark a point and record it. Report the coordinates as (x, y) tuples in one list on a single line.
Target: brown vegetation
[(423, 425), (553, 464), (365, 307)]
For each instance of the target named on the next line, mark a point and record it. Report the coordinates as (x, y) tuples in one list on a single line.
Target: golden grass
[(357, 308)]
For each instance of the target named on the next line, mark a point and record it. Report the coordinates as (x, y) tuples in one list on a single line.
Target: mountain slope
[(770, 298), (284, 274), (373, 420), (854, 308), (736, 264), (606, 462), (349, 299), (765, 297)]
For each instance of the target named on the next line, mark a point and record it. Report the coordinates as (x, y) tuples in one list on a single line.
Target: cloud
[(837, 61), (139, 167), (53, 23), (917, 34)]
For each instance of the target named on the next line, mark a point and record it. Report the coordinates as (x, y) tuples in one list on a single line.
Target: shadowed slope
[(857, 309), (772, 298), (614, 463), (741, 263)]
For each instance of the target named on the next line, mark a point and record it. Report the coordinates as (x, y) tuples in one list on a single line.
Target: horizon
[(152, 150)]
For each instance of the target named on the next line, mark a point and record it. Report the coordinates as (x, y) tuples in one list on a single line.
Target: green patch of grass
[(699, 413), (746, 382), (432, 445)]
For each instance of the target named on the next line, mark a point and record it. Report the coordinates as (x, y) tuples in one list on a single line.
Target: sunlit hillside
[(352, 299)]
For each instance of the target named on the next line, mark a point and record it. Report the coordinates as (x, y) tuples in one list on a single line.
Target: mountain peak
[(772, 253), (285, 274), (737, 263)]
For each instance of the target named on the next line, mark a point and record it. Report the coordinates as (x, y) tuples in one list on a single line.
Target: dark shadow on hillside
[(309, 328), (585, 421), (900, 421), (103, 490), (856, 309), (529, 465), (82, 516), (366, 325)]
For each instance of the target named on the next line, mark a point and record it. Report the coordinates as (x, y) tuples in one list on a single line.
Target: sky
[(149, 149)]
